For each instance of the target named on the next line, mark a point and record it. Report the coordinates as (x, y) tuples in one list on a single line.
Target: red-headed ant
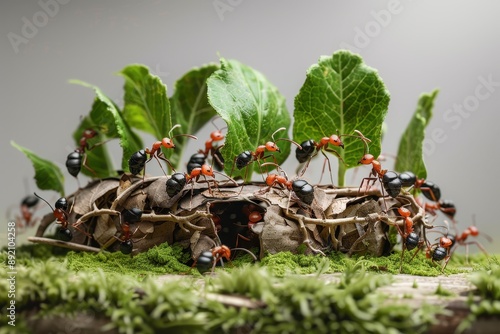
[(302, 189), (431, 191), (208, 259), (460, 239), (440, 251), (410, 239), (78, 157), (247, 157), (137, 161), (61, 216), (128, 217), (27, 209)]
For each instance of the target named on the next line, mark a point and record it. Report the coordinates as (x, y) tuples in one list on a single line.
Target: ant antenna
[(45, 201), (182, 134), (286, 139)]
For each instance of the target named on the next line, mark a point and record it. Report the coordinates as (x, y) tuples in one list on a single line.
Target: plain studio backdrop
[(417, 46)]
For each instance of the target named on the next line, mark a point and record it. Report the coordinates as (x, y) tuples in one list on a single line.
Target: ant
[(196, 160), (309, 149), (130, 216), (431, 191), (254, 216), (61, 215), (78, 158), (410, 239), (215, 136), (205, 170), (137, 161), (247, 157), (210, 258), (27, 209), (461, 239), (440, 251), (302, 189), (175, 184)]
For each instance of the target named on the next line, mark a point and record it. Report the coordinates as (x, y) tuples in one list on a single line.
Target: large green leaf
[(253, 109), (410, 153), (48, 176), (106, 114), (190, 107), (341, 93), (98, 158), (146, 106)]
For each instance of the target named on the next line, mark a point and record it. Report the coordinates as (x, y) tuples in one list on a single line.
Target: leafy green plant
[(340, 94)]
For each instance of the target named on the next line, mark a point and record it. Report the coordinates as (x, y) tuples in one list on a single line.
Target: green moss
[(162, 259)]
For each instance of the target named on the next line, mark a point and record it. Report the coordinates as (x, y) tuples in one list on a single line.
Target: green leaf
[(111, 123), (98, 157), (190, 107), (253, 109), (146, 104), (341, 93), (410, 153), (48, 176)]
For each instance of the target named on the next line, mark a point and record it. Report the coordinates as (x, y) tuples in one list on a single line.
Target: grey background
[(419, 46)]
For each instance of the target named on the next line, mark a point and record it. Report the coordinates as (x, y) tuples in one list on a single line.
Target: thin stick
[(63, 244)]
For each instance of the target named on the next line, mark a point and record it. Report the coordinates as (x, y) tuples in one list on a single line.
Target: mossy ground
[(56, 281)]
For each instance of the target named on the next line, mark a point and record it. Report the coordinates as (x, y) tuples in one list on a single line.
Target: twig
[(64, 244)]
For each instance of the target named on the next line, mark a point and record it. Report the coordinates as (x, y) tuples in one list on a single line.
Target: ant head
[(207, 170), (366, 159), (216, 135), (270, 179), (62, 203), (89, 133), (445, 242), (272, 147), (167, 143), (473, 230), (335, 141), (404, 212)]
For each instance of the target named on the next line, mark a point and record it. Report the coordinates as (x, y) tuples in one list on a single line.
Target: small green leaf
[(190, 107), (98, 157), (111, 123), (48, 176), (146, 104), (253, 109), (341, 93), (410, 153)]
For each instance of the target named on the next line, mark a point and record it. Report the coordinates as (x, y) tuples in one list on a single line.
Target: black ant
[(302, 189), (128, 217), (175, 184), (460, 239), (137, 161), (205, 170), (431, 191), (410, 239), (78, 157), (195, 161), (27, 209), (214, 151), (440, 251), (247, 157), (309, 149), (61, 216), (208, 259)]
